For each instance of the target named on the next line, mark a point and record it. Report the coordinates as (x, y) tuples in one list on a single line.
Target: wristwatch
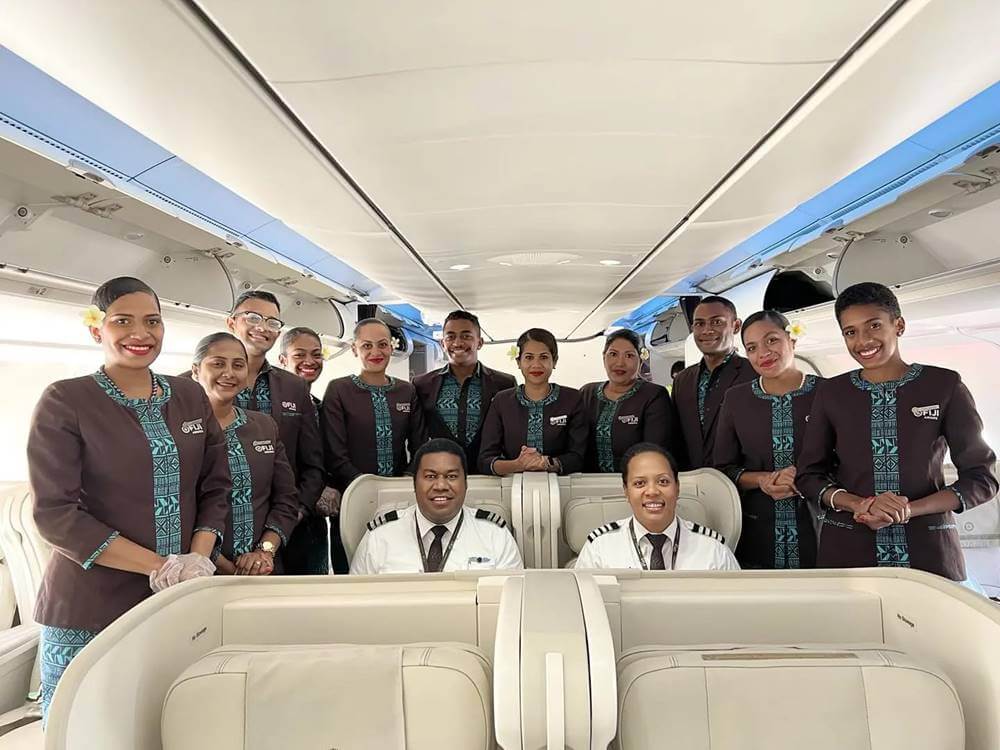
[(268, 547)]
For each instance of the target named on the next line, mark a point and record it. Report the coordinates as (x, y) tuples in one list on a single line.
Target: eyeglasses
[(257, 320)]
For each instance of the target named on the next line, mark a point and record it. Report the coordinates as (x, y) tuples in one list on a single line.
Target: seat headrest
[(729, 698), (417, 696), (370, 495), (706, 497)]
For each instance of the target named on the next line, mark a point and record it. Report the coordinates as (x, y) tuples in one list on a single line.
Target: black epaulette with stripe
[(612, 526), (712, 533), (384, 518), (487, 515)]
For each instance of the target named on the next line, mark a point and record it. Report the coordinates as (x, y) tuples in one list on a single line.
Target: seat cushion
[(784, 699), (261, 697)]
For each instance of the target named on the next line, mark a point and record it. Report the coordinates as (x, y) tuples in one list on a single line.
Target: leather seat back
[(785, 699), (370, 495), (25, 552), (706, 497), (434, 696)]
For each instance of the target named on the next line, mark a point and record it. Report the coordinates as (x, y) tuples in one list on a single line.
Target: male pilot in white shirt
[(654, 538), (438, 533)]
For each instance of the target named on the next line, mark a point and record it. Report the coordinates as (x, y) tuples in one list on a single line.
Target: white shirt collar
[(425, 526), (641, 531)]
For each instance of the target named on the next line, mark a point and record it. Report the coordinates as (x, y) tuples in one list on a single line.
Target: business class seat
[(785, 699), (25, 554), (707, 497), (421, 695), (370, 495)]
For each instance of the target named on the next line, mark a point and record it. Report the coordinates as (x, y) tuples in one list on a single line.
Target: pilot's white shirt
[(700, 548), (390, 544)]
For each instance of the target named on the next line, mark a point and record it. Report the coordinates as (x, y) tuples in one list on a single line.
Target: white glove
[(168, 574), (194, 565)]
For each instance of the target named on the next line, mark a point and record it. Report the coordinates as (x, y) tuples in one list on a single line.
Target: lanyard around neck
[(638, 550), (451, 542)]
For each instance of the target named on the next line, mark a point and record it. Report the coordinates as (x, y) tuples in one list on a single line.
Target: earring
[(97, 339)]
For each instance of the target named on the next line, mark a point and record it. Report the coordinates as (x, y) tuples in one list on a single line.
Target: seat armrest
[(18, 647)]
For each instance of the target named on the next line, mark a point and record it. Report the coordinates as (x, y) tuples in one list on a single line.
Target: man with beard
[(456, 398)]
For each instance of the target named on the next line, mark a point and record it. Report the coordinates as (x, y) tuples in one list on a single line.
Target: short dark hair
[(119, 286), (770, 316), (626, 335), (868, 293), (462, 315), (293, 333), (677, 367), (256, 294), (369, 321), (638, 448), (542, 337), (439, 445), (205, 345), (714, 299)]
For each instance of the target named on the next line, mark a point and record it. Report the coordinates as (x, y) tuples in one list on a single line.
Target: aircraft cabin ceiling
[(551, 163)]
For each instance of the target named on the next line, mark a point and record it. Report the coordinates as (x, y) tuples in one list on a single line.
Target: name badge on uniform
[(474, 563), (289, 406), (194, 427), (404, 408), (630, 419), (933, 411), (263, 446), (559, 421)]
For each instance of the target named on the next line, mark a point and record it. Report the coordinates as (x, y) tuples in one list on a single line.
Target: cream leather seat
[(785, 699), (370, 495), (435, 695), (707, 497), (25, 554)]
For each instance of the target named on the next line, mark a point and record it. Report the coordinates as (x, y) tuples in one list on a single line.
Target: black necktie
[(434, 553), (656, 559)]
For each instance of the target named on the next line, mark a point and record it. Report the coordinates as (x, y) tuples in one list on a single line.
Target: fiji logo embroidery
[(404, 408), (289, 406), (193, 427), (631, 419), (263, 446), (559, 421), (927, 412)]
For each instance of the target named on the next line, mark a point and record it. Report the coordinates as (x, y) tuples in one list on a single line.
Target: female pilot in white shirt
[(654, 537)]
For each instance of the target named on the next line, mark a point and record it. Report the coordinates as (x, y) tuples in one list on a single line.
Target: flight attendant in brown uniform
[(129, 474), (624, 409), (538, 426), (874, 450), (286, 398), (372, 422), (263, 505), (457, 397), (760, 433), (699, 389)]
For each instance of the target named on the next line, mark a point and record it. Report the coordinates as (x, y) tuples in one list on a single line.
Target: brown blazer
[(643, 418), (696, 444), (428, 388)]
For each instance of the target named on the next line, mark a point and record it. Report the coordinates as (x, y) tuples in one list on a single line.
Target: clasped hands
[(780, 484), (178, 568), (531, 460), (883, 510)]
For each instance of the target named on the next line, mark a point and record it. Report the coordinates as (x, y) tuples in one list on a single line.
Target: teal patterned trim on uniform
[(449, 403), (705, 378), (890, 542), (786, 527), (241, 496), (605, 422), (89, 562), (383, 424), (536, 415), (259, 398), (961, 499), (279, 532), (58, 646), (166, 462)]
